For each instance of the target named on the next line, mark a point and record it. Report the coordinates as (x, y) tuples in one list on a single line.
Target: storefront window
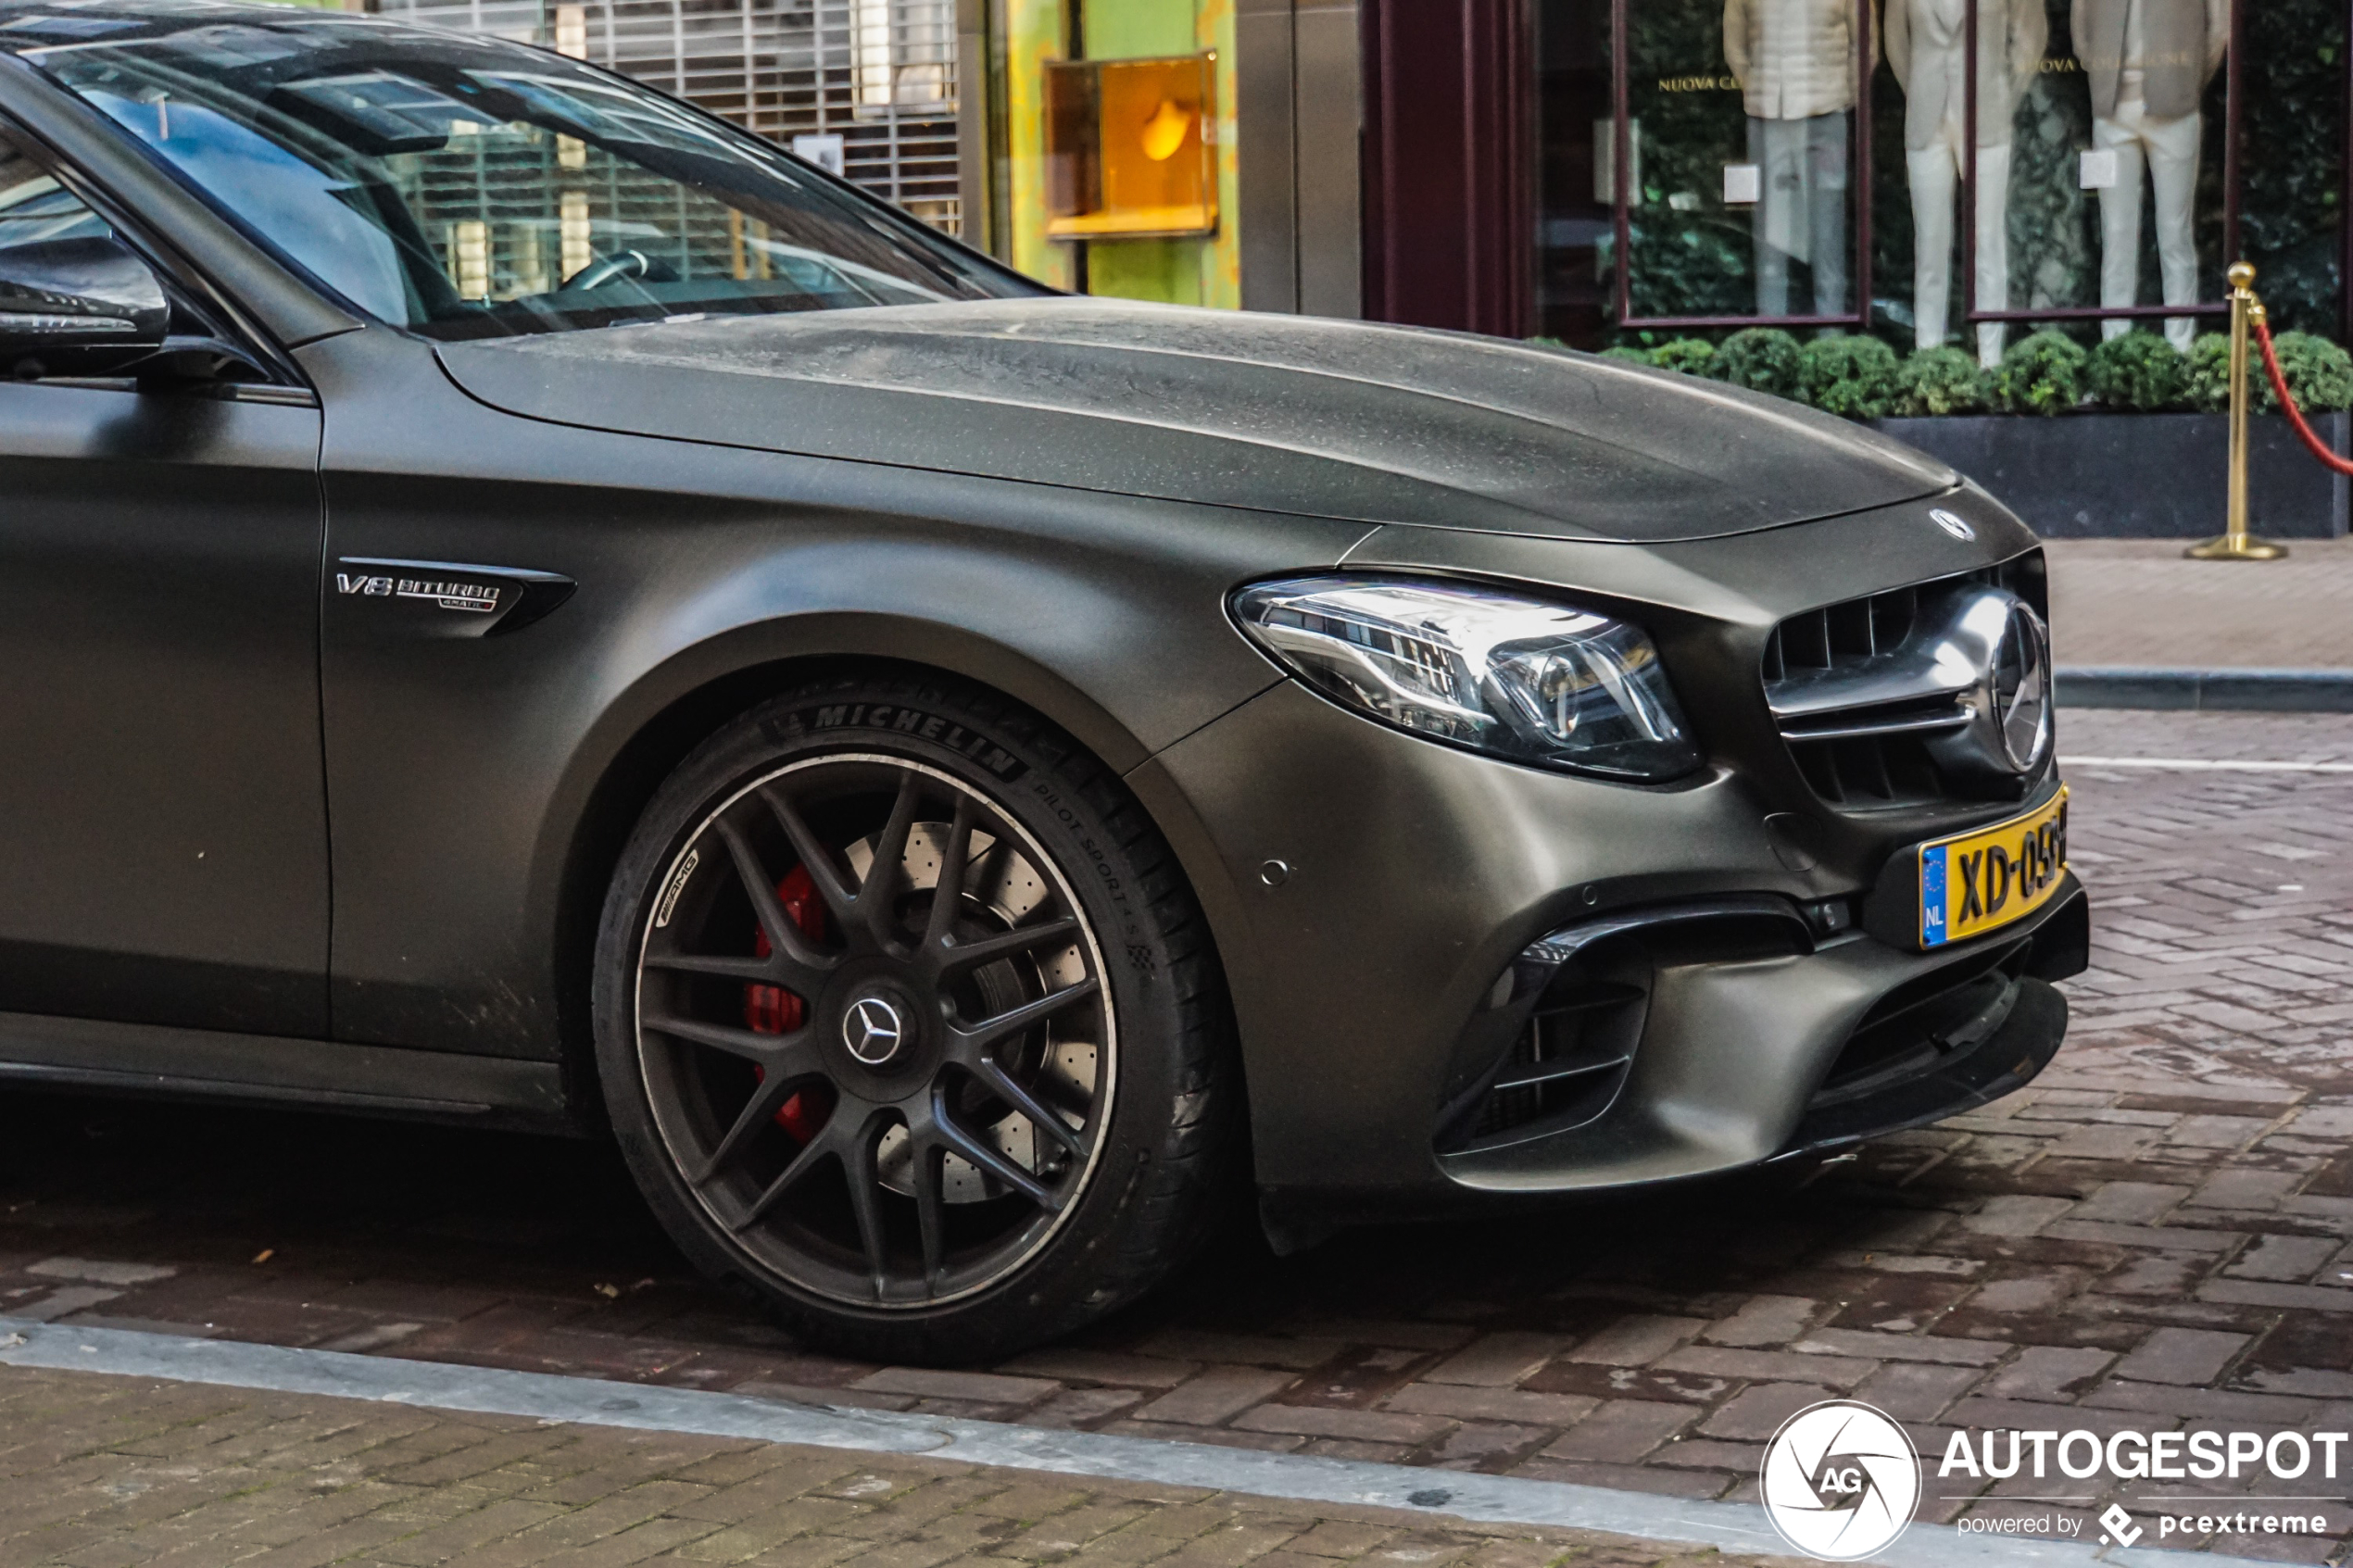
[(2114, 161), (1739, 154), (1574, 214), (2291, 161), (2097, 168)]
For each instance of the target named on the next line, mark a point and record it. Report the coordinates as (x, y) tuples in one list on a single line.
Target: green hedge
[(1761, 358), (1940, 381), (2319, 375), (2044, 373), (1853, 376), (2142, 371), (2207, 374), (1693, 355)]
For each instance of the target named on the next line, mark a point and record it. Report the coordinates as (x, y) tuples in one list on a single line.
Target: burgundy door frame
[(1448, 163)]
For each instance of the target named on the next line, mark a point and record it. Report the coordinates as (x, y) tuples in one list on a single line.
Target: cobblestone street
[(2159, 1231)]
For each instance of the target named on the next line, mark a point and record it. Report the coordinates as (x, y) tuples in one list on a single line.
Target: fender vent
[(1566, 1066), (1552, 1047)]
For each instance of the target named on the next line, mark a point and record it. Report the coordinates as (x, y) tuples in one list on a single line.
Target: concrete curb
[(2253, 691), (1730, 1527)]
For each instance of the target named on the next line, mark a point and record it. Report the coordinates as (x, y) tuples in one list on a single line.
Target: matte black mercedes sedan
[(522, 602)]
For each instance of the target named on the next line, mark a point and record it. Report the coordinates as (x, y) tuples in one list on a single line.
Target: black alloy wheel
[(940, 1000), (868, 1053)]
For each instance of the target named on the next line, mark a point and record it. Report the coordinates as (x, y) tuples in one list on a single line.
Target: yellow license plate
[(1983, 881)]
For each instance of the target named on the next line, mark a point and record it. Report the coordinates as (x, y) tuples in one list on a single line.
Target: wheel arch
[(674, 706)]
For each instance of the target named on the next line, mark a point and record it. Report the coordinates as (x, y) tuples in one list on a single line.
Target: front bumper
[(1756, 1042), (1417, 878)]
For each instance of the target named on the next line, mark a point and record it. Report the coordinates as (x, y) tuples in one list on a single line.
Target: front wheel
[(908, 1023)]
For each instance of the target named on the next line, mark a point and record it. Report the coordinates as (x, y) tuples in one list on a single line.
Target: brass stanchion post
[(2235, 542)]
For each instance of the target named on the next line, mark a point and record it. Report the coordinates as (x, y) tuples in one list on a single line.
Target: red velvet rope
[(2296, 415)]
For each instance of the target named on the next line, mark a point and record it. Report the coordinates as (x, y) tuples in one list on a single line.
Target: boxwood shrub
[(2319, 375), (2043, 373), (2140, 371), (1693, 355), (1852, 377), (1940, 380), (1761, 358), (2207, 369)]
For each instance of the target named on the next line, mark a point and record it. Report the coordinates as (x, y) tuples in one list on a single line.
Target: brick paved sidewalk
[(2137, 602), (99, 1472), (2159, 1233)]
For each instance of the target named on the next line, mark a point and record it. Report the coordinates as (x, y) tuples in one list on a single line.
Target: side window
[(34, 208)]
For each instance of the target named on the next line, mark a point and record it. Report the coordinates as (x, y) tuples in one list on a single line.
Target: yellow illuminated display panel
[(1130, 147)]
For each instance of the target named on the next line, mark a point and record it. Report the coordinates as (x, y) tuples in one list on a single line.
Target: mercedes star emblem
[(872, 1029), (1988, 652), (2021, 683)]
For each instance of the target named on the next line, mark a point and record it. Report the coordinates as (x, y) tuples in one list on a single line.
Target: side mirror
[(84, 307)]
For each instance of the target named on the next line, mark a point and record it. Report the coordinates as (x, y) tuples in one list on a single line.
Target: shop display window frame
[(1860, 160)]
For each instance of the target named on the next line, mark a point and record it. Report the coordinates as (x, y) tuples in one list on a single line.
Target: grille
[(1834, 677), (879, 74)]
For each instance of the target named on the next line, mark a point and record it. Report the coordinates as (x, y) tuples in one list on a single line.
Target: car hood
[(1280, 413)]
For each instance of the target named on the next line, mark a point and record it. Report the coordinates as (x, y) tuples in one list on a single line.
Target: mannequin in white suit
[(1924, 49), (1795, 62), (2149, 62)]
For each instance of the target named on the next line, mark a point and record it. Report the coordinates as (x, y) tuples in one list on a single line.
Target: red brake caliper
[(772, 1009)]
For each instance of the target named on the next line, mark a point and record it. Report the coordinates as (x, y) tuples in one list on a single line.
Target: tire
[(919, 1128)]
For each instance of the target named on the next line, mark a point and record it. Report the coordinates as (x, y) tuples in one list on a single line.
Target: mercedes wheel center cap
[(872, 1030)]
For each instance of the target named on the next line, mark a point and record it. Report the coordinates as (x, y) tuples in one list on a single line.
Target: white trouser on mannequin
[(1801, 213), (1936, 178), (2170, 149)]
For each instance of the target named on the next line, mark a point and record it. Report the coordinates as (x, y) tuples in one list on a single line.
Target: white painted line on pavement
[(2202, 765), (587, 1401)]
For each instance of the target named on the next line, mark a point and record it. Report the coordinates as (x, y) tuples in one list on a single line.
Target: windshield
[(467, 187)]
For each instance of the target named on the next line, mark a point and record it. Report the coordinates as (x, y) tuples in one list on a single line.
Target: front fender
[(476, 784)]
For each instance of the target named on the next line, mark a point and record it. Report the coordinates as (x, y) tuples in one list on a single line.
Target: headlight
[(1519, 678)]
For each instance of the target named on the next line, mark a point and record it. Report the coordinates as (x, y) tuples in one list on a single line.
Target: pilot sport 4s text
[(524, 604)]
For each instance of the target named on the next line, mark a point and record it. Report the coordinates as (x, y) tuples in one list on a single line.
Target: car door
[(163, 848)]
